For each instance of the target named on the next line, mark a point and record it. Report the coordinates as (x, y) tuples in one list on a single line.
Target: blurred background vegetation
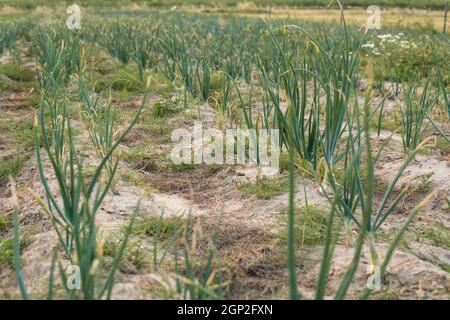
[(422, 4)]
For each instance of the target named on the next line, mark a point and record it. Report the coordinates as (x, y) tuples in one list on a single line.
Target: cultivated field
[(350, 201)]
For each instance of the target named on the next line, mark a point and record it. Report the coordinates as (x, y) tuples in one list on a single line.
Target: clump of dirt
[(249, 255), (154, 134), (229, 236), (136, 134), (148, 163), (202, 185)]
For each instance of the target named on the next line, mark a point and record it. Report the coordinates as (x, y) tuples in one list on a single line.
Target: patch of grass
[(88, 172), (161, 228), (11, 167), (265, 188), (160, 129), (7, 84), (136, 153), (5, 223), (14, 77), (425, 182), (385, 294), (388, 235), (16, 71), (437, 233), (118, 81), (133, 259), (157, 121), (302, 164), (167, 165), (424, 151), (160, 84), (388, 124), (163, 109), (34, 99), (146, 159), (110, 247), (443, 145), (216, 82), (104, 62), (130, 177), (284, 161), (135, 255), (7, 251), (122, 95), (167, 162), (19, 132), (310, 226), (141, 158)]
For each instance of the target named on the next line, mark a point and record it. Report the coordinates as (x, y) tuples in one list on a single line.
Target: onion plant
[(17, 264), (337, 68), (260, 123), (304, 134), (126, 42), (53, 107), (204, 79), (100, 119), (197, 284), (59, 54), (8, 34), (226, 86), (195, 275), (69, 175), (73, 207), (118, 41), (294, 293), (170, 47), (367, 221), (330, 241), (325, 68), (413, 115), (144, 53), (348, 183), (86, 258), (358, 183), (444, 90)]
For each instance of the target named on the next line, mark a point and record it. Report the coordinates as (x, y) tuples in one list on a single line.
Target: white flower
[(368, 45), (385, 36)]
